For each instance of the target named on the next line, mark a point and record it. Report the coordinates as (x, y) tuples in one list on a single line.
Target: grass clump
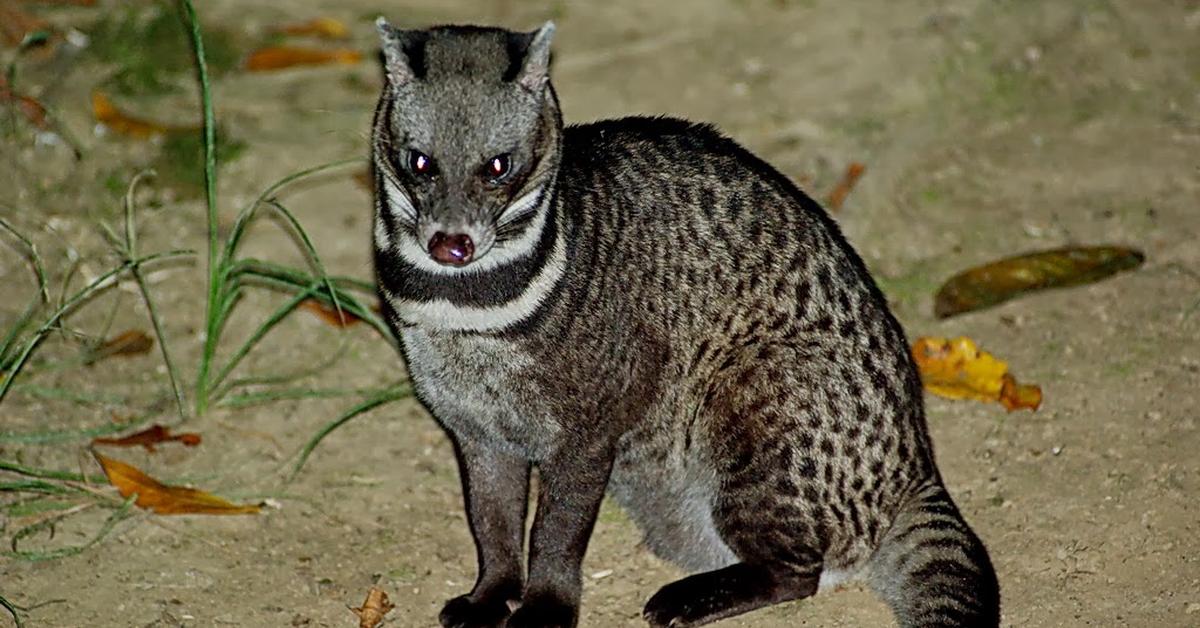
[(43, 497)]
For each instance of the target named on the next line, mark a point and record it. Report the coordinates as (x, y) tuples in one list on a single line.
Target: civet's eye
[(420, 163), (498, 166)]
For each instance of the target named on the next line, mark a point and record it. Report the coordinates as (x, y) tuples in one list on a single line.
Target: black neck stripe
[(490, 288)]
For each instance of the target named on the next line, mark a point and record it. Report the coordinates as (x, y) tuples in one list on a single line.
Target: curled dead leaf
[(31, 109), (323, 27), (958, 369), (281, 57), (165, 499), (371, 613), (126, 343), (999, 281), (150, 437)]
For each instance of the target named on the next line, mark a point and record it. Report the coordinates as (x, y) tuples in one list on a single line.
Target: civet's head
[(465, 145)]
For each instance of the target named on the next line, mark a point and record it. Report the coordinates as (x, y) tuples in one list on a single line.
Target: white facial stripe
[(519, 206), (443, 315), (396, 201), (414, 252)]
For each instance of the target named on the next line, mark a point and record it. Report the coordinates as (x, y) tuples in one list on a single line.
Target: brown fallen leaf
[(854, 171), (16, 23), (150, 437), (958, 369), (31, 109), (121, 123), (371, 613), (330, 315), (999, 281), (165, 499), (280, 57), (323, 27), (126, 343)]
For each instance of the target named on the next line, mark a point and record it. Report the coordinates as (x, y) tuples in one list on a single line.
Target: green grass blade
[(12, 610), (212, 304), (59, 436), (392, 394), (39, 271), (42, 298), (283, 378), (290, 279), (247, 214), (310, 250), (69, 394), (267, 325), (97, 284), (292, 394), (13, 333), (49, 474), (136, 271), (119, 514), (33, 486)]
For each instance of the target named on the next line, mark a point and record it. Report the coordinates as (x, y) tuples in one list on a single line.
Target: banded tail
[(932, 569)]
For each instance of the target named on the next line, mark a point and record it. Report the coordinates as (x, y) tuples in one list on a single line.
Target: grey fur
[(656, 313)]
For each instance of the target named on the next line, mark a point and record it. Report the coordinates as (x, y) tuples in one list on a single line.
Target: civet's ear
[(535, 69), (398, 46)]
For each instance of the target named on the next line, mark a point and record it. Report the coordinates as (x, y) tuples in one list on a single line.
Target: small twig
[(838, 196)]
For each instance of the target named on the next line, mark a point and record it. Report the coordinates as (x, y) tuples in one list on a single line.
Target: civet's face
[(461, 136)]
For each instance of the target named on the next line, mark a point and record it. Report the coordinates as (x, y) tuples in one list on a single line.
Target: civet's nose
[(455, 250)]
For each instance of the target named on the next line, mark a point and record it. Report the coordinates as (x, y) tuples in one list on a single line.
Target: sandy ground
[(988, 128)]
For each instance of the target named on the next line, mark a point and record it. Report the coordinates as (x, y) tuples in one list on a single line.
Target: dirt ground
[(988, 128)]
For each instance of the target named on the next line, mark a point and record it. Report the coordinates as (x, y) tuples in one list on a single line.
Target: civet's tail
[(932, 569)]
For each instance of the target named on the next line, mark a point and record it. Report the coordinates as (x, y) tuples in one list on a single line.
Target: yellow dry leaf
[(323, 27), (280, 57), (371, 613), (165, 499), (958, 369), (106, 113)]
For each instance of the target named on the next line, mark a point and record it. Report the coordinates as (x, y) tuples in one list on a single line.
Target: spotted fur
[(676, 325)]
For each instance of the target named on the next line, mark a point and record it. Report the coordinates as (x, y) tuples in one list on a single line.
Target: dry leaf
[(15, 23), (107, 114), (323, 27), (130, 342), (958, 369), (30, 108), (371, 613), (149, 437), (280, 57), (1016, 396), (838, 196), (1002, 280), (164, 499), (328, 314)]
